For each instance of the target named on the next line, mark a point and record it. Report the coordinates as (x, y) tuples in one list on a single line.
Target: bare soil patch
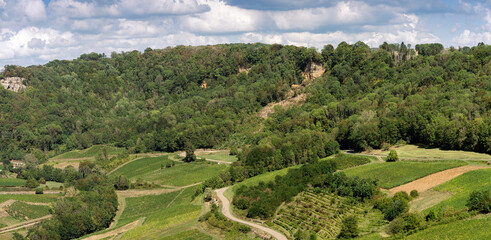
[(435, 179)]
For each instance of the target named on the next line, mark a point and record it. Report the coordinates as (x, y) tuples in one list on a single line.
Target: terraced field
[(323, 213), (12, 182), (91, 152)]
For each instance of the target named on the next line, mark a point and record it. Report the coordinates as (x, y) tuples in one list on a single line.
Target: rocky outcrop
[(13, 83)]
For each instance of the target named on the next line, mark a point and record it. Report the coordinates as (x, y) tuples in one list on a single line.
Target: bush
[(392, 157), (39, 191), (242, 204), (479, 201), (42, 181), (349, 229), (32, 183), (208, 194), (396, 226), (234, 151), (414, 194), (395, 208)]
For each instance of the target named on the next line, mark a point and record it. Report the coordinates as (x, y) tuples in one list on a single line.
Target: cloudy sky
[(37, 31)]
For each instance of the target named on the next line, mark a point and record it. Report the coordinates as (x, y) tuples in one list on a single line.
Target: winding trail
[(24, 224), (434, 179), (226, 212)]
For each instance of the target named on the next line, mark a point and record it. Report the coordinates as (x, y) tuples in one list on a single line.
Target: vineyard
[(322, 213)]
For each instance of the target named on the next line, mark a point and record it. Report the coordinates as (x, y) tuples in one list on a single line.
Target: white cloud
[(467, 37), (222, 18), (34, 41), (124, 8)]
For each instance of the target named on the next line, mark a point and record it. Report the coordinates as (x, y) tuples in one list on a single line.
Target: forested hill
[(174, 98)]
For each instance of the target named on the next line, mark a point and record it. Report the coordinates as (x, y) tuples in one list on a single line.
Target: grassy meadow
[(219, 155), (41, 198), (12, 182), (143, 166), (476, 229), (414, 151), (393, 174)]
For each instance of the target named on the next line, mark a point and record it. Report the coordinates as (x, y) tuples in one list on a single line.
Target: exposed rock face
[(12, 83)]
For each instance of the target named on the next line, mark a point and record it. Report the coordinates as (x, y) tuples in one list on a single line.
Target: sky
[(37, 31)]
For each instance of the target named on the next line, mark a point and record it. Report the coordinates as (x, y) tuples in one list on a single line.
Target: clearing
[(418, 152)]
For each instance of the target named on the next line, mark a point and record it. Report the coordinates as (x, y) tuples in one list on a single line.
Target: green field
[(344, 161), (464, 229), (413, 151), (220, 155), (142, 167), (181, 174), (42, 198), (24, 211), (462, 186), (12, 182), (162, 213), (91, 152), (394, 174), (190, 234)]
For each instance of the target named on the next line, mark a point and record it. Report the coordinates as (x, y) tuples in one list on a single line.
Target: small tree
[(349, 229), (414, 193), (480, 201), (190, 157), (392, 157), (39, 190), (32, 183)]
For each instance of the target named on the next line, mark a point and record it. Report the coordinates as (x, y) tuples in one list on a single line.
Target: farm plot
[(44, 198), (392, 174), (23, 211), (183, 174), (323, 213), (461, 186)]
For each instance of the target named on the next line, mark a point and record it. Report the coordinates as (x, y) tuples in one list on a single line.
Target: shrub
[(479, 201), (414, 194), (42, 181), (392, 157), (234, 151), (39, 191), (32, 183), (349, 229), (208, 194), (242, 204), (395, 208), (396, 226)]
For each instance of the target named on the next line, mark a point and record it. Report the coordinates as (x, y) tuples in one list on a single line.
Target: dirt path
[(27, 192), (24, 224), (140, 193), (226, 212), (434, 179), (116, 231)]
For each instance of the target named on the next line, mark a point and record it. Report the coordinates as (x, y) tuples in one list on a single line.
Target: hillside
[(134, 144)]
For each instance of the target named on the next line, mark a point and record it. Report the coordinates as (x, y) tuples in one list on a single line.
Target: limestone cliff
[(13, 83)]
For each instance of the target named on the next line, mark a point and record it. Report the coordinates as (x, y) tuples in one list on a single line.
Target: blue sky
[(38, 31)]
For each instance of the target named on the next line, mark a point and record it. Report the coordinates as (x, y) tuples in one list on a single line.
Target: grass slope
[(462, 186), (91, 152), (220, 155), (24, 211), (12, 182), (163, 213), (463, 229), (142, 166), (44, 198), (394, 174)]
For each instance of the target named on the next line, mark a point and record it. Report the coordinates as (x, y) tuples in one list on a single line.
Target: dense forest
[(203, 97)]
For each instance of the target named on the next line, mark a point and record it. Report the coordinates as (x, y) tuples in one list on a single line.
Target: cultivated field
[(12, 182), (91, 152), (323, 213), (143, 166), (392, 174)]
